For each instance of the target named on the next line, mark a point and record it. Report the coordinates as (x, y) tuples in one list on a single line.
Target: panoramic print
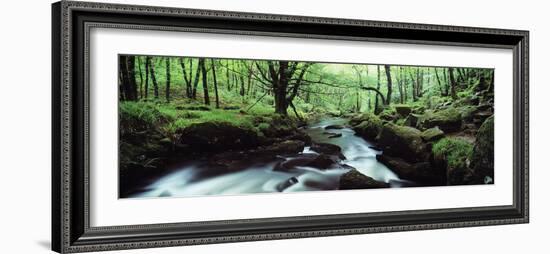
[(191, 126)]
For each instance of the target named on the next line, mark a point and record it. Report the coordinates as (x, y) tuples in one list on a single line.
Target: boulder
[(482, 159), (354, 179), (335, 135), (322, 161), (328, 149), (453, 155), (299, 161), (421, 172), (289, 182), (217, 136), (199, 108), (403, 110), (287, 147), (411, 120), (480, 117), (432, 134), (403, 141), (369, 128), (448, 120), (334, 127)]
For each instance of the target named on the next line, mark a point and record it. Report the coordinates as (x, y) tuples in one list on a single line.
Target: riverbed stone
[(334, 127), (287, 147), (369, 127), (322, 161), (404, 142), (421, 172), (328, 149), (354, 179), (217, 136)]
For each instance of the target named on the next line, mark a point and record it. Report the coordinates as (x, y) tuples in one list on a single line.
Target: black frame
[(71, 22)]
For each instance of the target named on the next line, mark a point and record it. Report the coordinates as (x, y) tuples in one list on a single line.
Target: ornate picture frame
[(71, 229)]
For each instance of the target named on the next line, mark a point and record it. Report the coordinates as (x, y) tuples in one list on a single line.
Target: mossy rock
[(287, 147), (448, 120), (482, 159), (422, 173), (217, 136), (455, 153), (369, 127), (404, 142), (354, 179), (432, 134), (403, 110), (411, 120)]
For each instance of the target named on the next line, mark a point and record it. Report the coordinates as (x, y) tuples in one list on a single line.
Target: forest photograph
[(192, 126)]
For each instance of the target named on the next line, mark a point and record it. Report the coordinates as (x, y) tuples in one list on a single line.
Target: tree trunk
[(400, 85), (167, 79), (404, 80), (377, 93), (419, 82), (389, 83), (241, 92), (186, 80), (196, 80), (452, 82), (215, 83), (128, 79), (413, 84), (439, 83), (140, 77), (147, 60), (204, 81), (281, 84), (154, 78), (376, 105)]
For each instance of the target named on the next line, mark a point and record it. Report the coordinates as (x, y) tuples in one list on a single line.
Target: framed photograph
[(180, 126)]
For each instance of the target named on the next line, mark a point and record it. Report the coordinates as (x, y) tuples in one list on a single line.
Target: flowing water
[(189, 180)]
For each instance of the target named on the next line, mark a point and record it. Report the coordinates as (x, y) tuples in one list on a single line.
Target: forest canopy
[(291, 87)]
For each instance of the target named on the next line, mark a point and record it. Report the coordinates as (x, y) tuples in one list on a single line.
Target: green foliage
[(455, 150)]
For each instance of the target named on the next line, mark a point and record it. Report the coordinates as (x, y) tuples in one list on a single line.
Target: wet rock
[(287, 147), (299, 161), (165, 194), (322, 161), (432, 134), (375, 148), (404, 142), (335, 135), (482, 159), (217, 136), (328, 149), (421, 172), (334, 127), (354, 179), (289, 182)]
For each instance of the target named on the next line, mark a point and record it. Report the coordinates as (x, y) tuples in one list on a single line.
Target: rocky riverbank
[(446, 144)]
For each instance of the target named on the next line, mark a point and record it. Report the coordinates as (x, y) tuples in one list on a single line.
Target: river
[(262, 178)]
